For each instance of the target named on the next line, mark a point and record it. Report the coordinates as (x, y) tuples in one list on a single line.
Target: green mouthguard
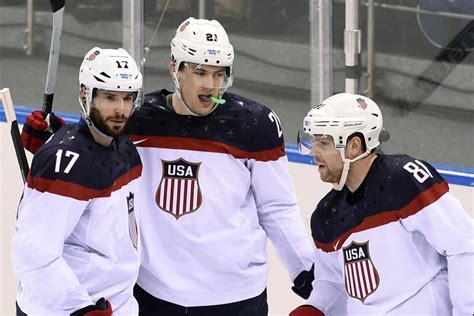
[(217, 100)]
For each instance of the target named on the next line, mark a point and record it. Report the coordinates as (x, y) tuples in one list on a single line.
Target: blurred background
[(424, 88)]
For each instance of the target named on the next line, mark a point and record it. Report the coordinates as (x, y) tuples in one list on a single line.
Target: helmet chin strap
[(346, 167), (101, 134)]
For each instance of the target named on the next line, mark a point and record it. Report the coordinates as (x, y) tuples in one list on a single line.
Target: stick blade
[(7, 102)]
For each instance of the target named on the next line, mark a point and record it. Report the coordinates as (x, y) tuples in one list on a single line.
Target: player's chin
[(205, 105), (325, 175), (204, 109), (115, 130), (322, 175)]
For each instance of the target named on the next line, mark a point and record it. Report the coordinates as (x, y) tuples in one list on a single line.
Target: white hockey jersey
[(400, 245), (213, 189), (76, 232)]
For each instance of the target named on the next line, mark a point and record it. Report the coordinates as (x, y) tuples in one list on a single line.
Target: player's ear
[(355, 146), (82, 94), (171, 66)]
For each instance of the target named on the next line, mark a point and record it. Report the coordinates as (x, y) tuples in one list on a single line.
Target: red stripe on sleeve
[(80, 192), (421, 201), (207, 146)]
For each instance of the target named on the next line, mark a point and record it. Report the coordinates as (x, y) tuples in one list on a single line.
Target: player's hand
[(38, 128), (101, 308), (306, 310), (303, 283)]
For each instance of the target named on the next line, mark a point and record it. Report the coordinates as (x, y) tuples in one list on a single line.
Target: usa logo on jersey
[(360, 276), (179, 192)]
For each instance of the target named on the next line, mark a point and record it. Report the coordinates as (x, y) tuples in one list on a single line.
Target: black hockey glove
[(303, 286), (101, 308)]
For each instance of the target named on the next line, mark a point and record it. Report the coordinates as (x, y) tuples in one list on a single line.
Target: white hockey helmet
[(109, 69), (202, 42), (341, 116)]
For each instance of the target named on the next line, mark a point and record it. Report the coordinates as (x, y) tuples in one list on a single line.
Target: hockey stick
[(57, 7), (15, 132)]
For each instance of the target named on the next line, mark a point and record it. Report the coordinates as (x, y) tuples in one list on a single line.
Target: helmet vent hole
[(375, 114), (98, 79), (217, 61), (118, 87), (104, 74), (205, 60)]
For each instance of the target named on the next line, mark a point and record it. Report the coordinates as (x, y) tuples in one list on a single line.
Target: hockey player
[(391, 239), (215, 185), (75, 245)]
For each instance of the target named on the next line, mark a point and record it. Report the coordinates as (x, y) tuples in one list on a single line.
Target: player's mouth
[(118, 120), (321, 166), (205, 99)]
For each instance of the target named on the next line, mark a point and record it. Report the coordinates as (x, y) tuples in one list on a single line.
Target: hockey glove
[(306, 310), (37, 129), (101, 308), (303, 286)]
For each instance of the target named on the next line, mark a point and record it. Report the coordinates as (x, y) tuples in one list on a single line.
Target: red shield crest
[(179, 192), (360, 276)]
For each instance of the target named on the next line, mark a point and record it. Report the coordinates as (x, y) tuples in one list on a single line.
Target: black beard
[(99, 123)]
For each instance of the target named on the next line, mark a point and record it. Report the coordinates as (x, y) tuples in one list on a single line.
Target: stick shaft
[(57, 7)]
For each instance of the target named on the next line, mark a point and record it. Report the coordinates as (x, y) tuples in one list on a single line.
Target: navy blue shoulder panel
[(267, 133), (73, 156), (239, 122), (391, 184)]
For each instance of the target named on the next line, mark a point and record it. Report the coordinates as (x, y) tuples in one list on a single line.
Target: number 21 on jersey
[(272, 116)]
